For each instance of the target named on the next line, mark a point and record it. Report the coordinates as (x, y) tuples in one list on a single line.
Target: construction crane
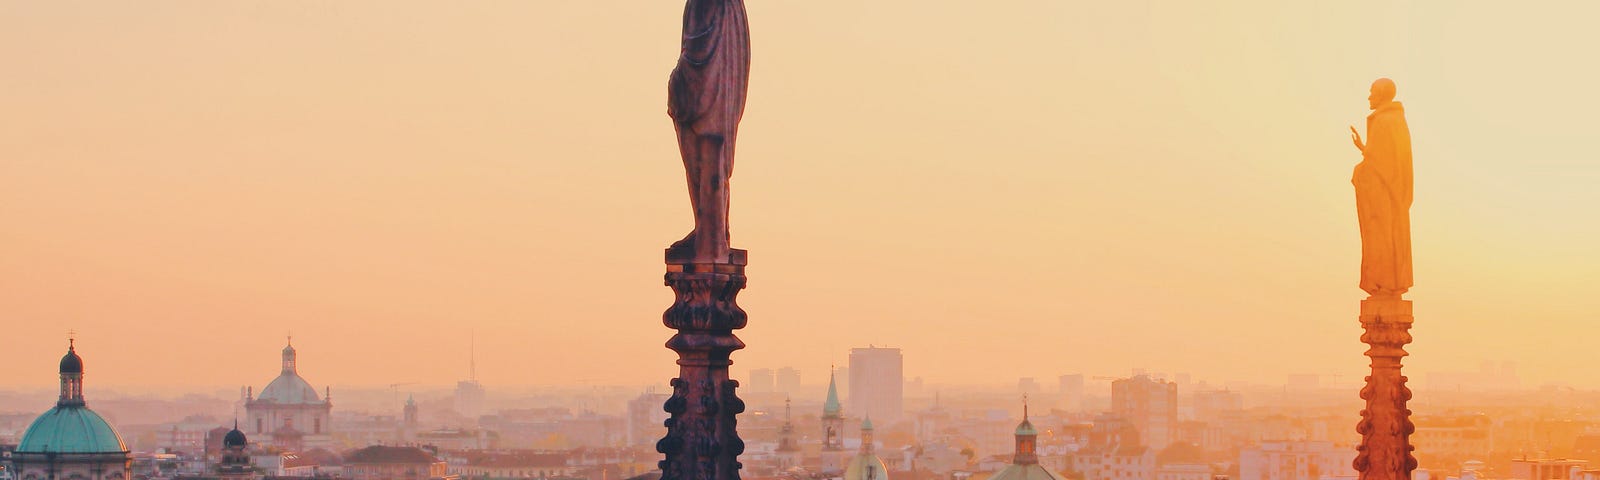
[(395, 388)]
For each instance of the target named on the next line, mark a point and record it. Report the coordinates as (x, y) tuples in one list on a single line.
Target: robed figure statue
[(1383, 195), (705, 98)]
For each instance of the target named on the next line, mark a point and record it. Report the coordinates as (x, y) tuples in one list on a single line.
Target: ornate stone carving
[(1385, 426)]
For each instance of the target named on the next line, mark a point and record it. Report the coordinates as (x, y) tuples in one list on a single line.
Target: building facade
[(288, 414), (1300, 460), (381, 462), (1151, 405), (877, 383)]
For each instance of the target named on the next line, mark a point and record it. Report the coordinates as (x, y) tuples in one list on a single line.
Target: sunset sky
[(1000, 188)]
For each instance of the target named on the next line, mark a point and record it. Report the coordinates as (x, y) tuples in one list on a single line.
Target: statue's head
[(1382, 92)]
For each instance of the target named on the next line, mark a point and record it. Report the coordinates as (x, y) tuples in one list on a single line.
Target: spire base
[(1385, 427)]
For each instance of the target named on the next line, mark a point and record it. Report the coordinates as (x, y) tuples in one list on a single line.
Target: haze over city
[(1097, 187), (1029, 240)]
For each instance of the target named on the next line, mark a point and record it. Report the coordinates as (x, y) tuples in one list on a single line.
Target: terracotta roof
[(525, 459), (388, 454)]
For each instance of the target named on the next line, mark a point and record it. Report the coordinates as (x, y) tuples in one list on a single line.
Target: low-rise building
[(381, 462)]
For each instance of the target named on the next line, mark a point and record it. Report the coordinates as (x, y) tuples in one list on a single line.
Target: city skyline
[(1111, 182)]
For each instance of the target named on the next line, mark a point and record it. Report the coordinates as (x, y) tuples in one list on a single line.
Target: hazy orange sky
[(1002, 189)]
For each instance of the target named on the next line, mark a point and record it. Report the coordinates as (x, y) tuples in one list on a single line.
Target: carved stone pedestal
[(1385, 450), (701, 441)]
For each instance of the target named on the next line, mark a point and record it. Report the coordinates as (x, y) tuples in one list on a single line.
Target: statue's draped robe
[(705, 98), (1383, 202)]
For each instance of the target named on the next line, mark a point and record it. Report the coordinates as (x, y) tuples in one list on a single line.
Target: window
[(258, 424)]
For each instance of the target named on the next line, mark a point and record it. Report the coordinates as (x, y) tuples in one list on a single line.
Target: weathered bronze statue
[(705, 98)]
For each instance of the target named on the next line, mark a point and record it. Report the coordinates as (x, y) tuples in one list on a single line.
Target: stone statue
[(1383, 195), (705, 98)]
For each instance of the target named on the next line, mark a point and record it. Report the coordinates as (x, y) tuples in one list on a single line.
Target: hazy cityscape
[(1139, 424), (1020, 240)]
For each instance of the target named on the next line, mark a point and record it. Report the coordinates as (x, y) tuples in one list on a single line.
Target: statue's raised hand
[(1355, 136)]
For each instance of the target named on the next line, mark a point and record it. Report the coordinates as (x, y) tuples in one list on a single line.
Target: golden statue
[(1383, 195)]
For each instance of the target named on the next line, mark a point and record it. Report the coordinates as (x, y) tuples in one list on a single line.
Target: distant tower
[(866, 465), (832, 419), (235, 463), (877, 382), (470, 393), (832, 429), (1025, 462), (1027, 440), (1151, 405), (788, 449), (411, 412)]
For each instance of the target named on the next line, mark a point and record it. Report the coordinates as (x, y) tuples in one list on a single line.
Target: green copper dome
[(866, 466), (71, 429), (1026, 428)]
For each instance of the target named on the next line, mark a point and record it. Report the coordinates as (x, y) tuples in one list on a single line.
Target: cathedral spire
[(832, 406), (832, 420)]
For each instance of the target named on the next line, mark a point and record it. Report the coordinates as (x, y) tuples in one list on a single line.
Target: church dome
[(235, 438), (1032, 471), (71, 362), (866, 466), (71, 429), (289, 389), (1026, 428)]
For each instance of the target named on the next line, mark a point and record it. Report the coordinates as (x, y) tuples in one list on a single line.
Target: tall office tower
[(1151, 405), (645, 417), (1028, 386), (788, 380), (877, 383), (760, 380), (1072, 391)]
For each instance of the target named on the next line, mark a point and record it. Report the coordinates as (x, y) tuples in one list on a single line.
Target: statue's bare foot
[(687, 242)]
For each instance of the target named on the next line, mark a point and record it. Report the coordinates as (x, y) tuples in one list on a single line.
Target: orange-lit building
[(381, 462)]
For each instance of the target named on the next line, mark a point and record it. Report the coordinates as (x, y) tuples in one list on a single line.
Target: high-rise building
[(470, 395), (877, 383), (1028, 386), (1072, 391), (645, 418), (760, 380), (788, 380), (1150, 405), (1211, 405)]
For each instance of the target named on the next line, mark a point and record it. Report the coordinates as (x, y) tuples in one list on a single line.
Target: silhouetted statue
[(705, 98), (1383, 195)]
